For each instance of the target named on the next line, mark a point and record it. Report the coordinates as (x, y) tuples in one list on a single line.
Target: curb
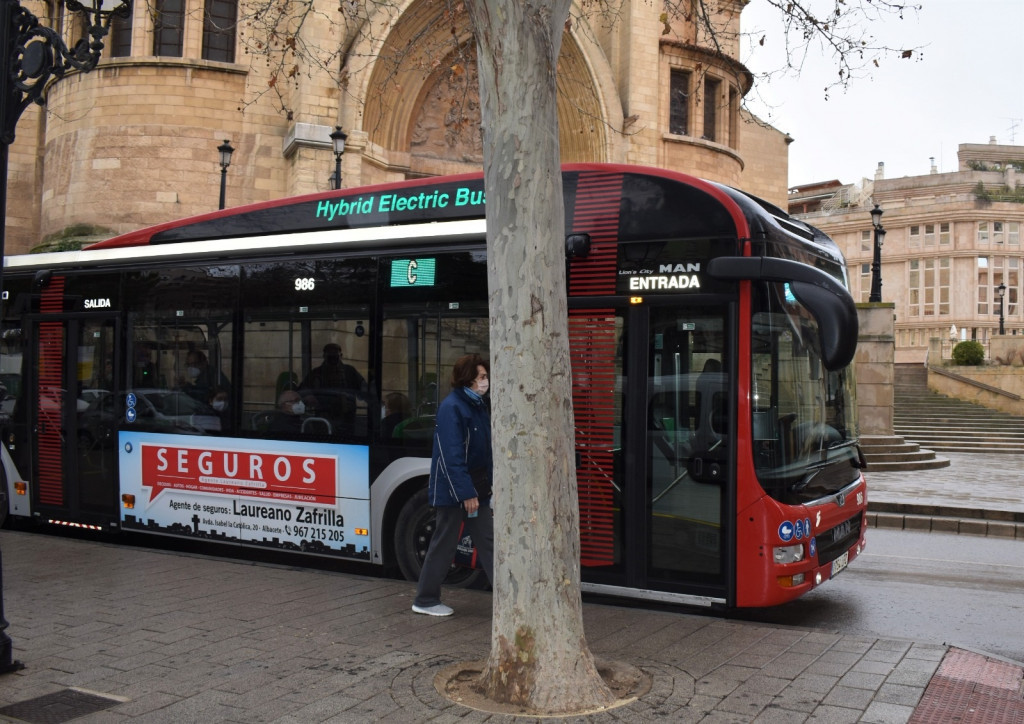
[(1008, 525)]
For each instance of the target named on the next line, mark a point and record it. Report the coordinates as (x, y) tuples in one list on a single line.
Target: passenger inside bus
[(199, 380), (287, 419), (332, 390), (144, 372), (396, 409), (334, 374), (220, 401)]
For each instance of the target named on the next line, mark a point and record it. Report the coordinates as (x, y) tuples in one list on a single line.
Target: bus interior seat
[(260, 421), (316, 426), (415, 429)]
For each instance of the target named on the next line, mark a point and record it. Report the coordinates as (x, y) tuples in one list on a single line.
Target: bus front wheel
[(413, 530)]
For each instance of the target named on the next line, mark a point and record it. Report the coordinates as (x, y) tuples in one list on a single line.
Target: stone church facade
[(135, 142)]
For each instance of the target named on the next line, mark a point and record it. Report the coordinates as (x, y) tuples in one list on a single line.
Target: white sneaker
[(436, 610)]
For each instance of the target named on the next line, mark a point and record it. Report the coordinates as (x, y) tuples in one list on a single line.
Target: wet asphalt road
[(962, 590)]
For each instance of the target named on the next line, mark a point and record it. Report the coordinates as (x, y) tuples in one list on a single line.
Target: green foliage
[(72, 238), (987, 194), (974, 165), (969, 353)]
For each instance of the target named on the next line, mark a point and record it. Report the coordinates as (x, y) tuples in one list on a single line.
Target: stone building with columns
[(952, 241), (134, 142)]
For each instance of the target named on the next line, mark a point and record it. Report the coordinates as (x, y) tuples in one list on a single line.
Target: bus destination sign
[(677, 266), (413, 272)]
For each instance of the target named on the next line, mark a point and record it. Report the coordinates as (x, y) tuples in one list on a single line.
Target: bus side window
[(409, 377), (419, 351)]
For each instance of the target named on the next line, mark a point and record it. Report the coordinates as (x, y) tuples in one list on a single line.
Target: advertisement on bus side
[(299, 496)]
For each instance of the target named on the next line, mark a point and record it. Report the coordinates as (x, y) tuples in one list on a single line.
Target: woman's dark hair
[(465, 372)]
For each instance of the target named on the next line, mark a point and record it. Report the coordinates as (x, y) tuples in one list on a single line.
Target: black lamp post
[(225, 152), (338, 137), (1001, 289), (876, 262), (31, 57)]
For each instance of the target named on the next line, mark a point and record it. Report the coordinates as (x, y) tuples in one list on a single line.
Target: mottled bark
[(539, 655)]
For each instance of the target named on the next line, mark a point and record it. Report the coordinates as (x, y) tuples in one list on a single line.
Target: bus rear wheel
[(413, 530)]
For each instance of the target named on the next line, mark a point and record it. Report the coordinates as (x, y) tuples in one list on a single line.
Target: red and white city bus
[(711, 340)]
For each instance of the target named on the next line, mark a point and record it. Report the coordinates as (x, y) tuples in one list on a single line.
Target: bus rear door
[(71, 413)]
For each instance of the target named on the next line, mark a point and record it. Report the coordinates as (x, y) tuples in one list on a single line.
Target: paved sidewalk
[(149, 636)]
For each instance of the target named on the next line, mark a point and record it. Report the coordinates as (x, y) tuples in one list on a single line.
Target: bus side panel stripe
[(50, 400), (592, 349), (598, 204)]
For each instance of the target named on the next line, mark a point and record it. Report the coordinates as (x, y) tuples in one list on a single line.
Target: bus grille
[(834, 542)]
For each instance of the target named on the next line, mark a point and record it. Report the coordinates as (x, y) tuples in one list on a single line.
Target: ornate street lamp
[(1001, 290), (33, 54), (31, 57), (338, 137), (876, 262), (225, 152)]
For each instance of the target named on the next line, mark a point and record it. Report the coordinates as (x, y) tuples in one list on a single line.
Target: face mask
[(220, 405), (482, 387), (299, 408), (193, 371)]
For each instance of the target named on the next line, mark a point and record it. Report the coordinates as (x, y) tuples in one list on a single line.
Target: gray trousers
[(442, 549)]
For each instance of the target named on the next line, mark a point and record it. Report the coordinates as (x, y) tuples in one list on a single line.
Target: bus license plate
[(840, 563)]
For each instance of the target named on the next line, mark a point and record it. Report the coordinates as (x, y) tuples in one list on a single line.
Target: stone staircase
[(887, 453), (946, 424)]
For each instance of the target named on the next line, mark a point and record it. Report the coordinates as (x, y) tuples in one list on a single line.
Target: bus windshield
[(804, 416)]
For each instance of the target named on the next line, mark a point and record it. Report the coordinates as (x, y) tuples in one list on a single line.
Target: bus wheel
[(413, 530)]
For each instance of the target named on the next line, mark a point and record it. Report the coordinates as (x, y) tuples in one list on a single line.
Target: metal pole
[(876, 272), (1002, 329), (337, 171), (7, 99), (32, 56), (223, 184)]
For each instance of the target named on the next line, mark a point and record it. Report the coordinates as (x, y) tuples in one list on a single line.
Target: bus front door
[(71, 413), (652, 405), (687, 448)]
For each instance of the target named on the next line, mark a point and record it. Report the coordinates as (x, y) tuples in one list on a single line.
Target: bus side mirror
[(828, 301), (837, 322)]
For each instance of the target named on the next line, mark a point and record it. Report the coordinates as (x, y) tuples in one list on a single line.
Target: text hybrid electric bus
[(267, 376)]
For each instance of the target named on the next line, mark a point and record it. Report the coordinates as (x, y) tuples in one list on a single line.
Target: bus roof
[(648, 202)]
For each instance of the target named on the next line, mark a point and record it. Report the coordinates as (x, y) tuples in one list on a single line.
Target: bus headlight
[(789, 554)]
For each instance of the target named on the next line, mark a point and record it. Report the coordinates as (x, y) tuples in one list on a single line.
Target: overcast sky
[(967, 87)]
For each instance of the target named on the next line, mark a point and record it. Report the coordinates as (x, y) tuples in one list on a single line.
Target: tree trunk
[(539, 654)]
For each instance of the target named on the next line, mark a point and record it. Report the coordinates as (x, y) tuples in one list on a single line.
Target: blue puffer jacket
[(462, 442)]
